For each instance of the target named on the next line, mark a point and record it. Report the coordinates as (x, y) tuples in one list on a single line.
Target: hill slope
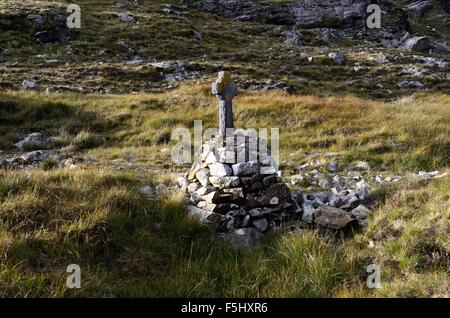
[(97, 187)]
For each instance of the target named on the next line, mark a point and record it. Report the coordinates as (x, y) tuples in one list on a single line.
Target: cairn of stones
[(235, 185), (235, 182), (233, 194)]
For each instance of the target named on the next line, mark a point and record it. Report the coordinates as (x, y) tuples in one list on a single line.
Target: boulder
[(58, 32), (363, 165), (306, 14), (243, 238), (360, 212), (147, 190), (418, 44), (330, 217), (34, 156)]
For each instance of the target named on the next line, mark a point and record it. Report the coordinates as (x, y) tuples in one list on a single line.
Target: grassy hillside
[(99, 56), (130, 245)]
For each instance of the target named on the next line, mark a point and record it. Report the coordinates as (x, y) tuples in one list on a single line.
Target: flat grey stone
[(246, 168), (243, 238), (204, 216), (220, 170), (225, 182)]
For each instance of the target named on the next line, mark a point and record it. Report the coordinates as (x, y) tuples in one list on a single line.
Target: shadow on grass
[(20, 116)]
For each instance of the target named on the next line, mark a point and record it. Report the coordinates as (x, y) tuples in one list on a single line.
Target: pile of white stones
[(230, 195), (245, 199)]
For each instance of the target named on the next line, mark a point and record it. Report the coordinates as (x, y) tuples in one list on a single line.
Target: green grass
[(109, 230), (405, 135), (130, 246)]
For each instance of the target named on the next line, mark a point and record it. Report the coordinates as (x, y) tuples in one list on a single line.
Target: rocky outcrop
[(305, 13), (55, 30), (418, 44)]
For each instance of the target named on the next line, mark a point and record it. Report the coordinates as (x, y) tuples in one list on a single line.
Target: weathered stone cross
[(225, 90)]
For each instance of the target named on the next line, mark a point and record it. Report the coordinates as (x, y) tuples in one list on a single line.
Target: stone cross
[(225, 90)]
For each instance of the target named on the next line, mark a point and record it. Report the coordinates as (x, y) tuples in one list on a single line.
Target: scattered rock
[(268, 85), (337, 57), (261, 224), (198, 35), (330, 217), (297, 179), (58, 32), (125, 17), (204, 216), (418, 44), (292, 37), (364, 165), (160, 188), (34, 156), (67, 163), (32, 140), (246, 168), (203, 176), (243, 238), (324, 181), (146, 190), (410, 84), (26, 84)]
